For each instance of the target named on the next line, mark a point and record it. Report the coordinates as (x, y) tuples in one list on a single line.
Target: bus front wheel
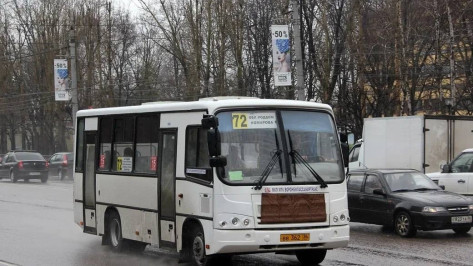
[(115, 232), (311, 256), (197, 248)]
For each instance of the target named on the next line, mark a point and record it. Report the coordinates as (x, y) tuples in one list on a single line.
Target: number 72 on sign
[(240, 120)]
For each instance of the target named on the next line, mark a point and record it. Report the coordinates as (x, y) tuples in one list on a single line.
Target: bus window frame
[(209, 170), (110, 171)]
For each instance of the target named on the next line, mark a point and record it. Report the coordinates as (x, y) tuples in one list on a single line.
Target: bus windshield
[(286, 147)]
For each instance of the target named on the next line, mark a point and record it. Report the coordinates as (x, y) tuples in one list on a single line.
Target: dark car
[(407, 200), (24, 165), (60, 165)]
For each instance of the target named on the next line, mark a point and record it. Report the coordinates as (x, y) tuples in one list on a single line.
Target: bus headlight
[(222, 223), (340, 217), (235, 221)]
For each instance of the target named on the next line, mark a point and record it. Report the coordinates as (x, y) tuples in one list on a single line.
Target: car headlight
[(433, 209), (470, 207)]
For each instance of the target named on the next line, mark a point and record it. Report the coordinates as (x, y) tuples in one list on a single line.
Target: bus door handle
[(461, 181)]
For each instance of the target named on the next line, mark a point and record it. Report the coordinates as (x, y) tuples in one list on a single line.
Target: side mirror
[(379, 191), (218, 161), (446, 168), (442, 187), (209, 121), (345, 148), (213, 140)]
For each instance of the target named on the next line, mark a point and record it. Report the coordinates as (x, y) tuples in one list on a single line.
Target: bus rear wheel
[(311, 256), (115, 232)]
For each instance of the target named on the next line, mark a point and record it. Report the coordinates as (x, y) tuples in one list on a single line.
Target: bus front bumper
[(253, 241)]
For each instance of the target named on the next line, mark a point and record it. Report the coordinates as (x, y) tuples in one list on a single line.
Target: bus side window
[(123, 141), (105, 144), (197, 154), (146, 160)]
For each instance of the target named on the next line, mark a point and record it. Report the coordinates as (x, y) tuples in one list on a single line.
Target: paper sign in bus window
[(253, 120), (154, 163), (102, 161), (124, 164), (235, 175)]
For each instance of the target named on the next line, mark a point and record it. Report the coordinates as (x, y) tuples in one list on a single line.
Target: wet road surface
[(37, 228)]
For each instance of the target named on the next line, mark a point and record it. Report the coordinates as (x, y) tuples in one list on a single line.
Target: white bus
[(213, 177)]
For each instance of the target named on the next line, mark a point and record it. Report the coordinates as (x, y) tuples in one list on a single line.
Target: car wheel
[(311, 256), (13, 177), (115, 232), (44, 179), (462, 230), (403, 225)]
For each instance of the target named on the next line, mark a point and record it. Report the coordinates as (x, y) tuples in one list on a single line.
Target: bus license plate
[(461, 219), (294, 237)]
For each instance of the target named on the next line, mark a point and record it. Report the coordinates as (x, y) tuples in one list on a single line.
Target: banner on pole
[(281, 55), (61, 80)]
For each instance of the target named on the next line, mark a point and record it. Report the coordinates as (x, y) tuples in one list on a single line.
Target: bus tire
[(197, 248), (311, 256), (115, 232)]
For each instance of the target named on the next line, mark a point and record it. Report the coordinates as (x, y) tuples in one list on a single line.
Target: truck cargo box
[(416, 142)]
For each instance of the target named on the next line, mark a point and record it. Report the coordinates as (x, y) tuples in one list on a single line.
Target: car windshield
[(409, 181), (29, 156), (252, 140)]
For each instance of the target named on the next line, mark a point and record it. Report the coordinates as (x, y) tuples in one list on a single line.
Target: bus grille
[(292, 208)]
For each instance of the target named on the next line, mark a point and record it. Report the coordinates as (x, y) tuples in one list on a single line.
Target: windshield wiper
[(424, 189), (267, 170), (403, 190), (296, 157)]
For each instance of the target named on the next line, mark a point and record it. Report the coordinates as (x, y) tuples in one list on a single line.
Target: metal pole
[(74, 100), (296, 24), (109, 53)]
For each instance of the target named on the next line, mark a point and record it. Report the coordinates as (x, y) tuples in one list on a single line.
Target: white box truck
[(417, 142)]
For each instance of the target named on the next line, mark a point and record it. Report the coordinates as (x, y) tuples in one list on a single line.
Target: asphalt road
[(37, 228)]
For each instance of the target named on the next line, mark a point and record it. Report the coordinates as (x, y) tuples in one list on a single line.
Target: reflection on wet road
[(37, 228)]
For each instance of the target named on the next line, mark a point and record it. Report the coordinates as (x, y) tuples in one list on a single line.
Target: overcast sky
[(132, 5)]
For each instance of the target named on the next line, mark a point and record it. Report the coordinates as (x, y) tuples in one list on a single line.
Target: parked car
[(407, 200), (457, 176), (24, 165), (60, 165)]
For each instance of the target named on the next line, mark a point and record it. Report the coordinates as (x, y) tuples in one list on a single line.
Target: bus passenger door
[(90, 225), (166, 197)]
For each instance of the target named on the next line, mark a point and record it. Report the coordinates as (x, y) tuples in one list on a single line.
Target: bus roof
[(210, 104)]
